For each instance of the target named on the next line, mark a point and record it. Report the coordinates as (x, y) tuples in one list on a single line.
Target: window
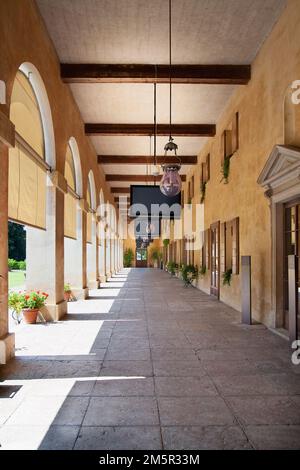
[(230, 138), (205, 170), (191, 189), (27, 167), (229, 246)]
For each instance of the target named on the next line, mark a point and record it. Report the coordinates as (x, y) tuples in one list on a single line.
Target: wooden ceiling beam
[(180, 130), (215, 74), (146, 160), (120, 190), (134, 178)]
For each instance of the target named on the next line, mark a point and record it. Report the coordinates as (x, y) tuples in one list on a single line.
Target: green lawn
[(16, 279)]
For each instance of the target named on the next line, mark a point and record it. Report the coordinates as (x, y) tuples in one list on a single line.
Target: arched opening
[(291, 119), (101, 237), (108, 257), (91, 234), (30, 199), (73, 220)]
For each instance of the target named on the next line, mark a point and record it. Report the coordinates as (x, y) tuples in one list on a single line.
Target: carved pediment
[(282, 165)]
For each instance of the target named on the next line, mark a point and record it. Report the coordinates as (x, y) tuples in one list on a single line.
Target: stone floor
[(146, 363)]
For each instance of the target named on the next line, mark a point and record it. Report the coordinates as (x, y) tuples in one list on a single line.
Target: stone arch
[(77, 165), (36, 81)]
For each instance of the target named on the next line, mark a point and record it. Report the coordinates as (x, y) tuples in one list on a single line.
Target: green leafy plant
[(67, 288), (189, 273), (155, 255), (128, 258), (166, 242), (22, 265), (27, 300), (225, 169), (172, 267), (227, 277), (14, 303), (12, 264), (202, 270), (203, 191)]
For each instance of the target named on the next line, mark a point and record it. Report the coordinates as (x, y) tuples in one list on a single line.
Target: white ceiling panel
[(136, 31)]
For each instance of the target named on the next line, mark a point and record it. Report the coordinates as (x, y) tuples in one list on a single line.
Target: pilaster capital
[(58, 181), (83, 205), (7, 131)]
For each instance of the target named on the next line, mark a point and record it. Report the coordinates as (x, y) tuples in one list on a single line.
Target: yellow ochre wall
[(261, 120), (24, 38)]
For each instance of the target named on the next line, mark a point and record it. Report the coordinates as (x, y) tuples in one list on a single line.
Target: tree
[(16, 241)]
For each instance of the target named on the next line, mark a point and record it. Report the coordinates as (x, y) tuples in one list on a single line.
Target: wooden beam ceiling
[(144, 160), (150, 73), (180, 130), (120, 190), (131, 178)]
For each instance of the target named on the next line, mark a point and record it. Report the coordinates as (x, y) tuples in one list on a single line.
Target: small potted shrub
[(14, 303), (128, 258), (189, 273), (156, 256), (227, 276), (171, 267), (67, 292), (31, 303)]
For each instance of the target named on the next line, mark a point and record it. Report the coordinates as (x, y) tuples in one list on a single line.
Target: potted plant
[(31, 303), (67, 292), (227, 277), (166, 242), (171, 267), (128, 258), (202, 270), (189, 273), (15, 305), (155, 256)]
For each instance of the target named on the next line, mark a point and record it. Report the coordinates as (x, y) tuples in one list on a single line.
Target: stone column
[(75, 265), (7, 139), (102, 254), (92, 258), (108, 254), (45, 251)]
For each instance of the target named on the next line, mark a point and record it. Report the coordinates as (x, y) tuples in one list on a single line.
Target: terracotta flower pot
[(30, 315), (67, 296)]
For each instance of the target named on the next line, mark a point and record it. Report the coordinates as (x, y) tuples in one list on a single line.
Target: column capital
[(7, 131)]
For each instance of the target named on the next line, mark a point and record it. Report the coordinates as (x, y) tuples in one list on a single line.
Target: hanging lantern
[(170, 184)]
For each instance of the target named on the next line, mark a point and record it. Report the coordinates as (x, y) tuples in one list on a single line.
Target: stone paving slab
[(148, 364)]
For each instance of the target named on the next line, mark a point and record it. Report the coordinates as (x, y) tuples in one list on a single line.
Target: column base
[(7, 348), (102, 279), (94, 284), (80, 293), (54, 312), (108, 274)]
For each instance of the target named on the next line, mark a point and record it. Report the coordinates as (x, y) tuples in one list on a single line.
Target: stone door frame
[(280, 178)]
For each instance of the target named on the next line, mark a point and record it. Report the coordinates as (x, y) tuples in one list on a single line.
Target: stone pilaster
[(45, 251)]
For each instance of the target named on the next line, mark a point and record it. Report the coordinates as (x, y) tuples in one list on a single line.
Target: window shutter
[(223, 247), (70, 216), (235, 247), (235, 133)]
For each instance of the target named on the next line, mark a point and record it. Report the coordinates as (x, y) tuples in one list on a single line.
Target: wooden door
[(291, 247), (141, 258), (215, 259)]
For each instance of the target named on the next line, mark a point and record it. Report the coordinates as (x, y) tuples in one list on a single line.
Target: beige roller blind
[(25, 114), (27, 189), (89, 219), (70, 213), (70, 216)]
